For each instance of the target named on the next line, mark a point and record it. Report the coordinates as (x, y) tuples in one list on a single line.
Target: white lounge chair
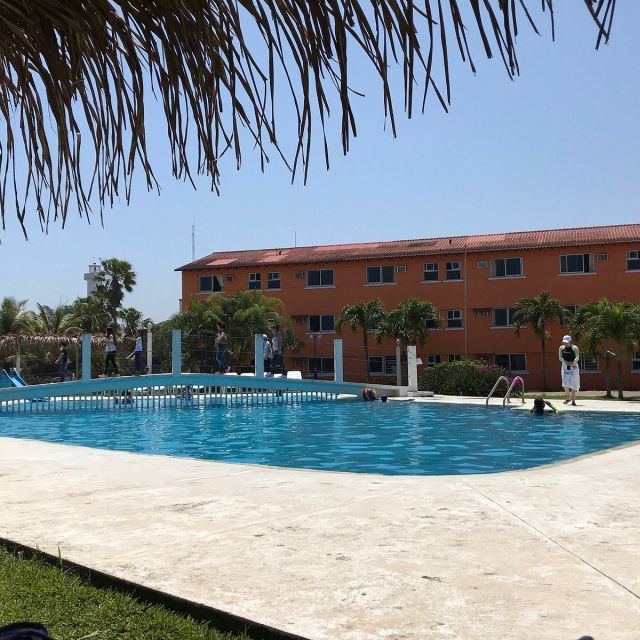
[(294, 375)]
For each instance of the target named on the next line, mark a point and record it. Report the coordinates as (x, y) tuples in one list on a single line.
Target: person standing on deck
[(111, 351), (277, 345), (221, 348), (63, 361), (569, 356)]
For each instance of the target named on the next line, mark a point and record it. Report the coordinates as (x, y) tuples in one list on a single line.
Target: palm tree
[(410, 321), (132, 319), (244, 313), (54, 321), (212, 53), (610, 327), (116, 277), (89, 315), (538, 312), (14, 317), (363, 316)]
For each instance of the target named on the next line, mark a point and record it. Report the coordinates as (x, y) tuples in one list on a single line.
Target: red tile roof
[(425, 247)]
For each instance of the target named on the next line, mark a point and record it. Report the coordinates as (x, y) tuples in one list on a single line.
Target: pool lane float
[(369, 394)]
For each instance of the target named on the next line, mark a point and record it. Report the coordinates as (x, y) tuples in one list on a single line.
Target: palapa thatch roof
[(75, 75), (26, 340)]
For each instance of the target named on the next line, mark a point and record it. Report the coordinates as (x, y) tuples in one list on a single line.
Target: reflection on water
[(392, 438)]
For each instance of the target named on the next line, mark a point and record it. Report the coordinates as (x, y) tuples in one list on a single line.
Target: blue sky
[(557, 147)]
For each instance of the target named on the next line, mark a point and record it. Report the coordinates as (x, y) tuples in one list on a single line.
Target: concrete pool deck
[(552, 552)]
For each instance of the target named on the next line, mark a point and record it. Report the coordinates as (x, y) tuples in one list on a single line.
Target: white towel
[(571, 377)]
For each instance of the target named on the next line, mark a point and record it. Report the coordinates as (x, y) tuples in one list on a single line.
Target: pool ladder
[(509, 390)]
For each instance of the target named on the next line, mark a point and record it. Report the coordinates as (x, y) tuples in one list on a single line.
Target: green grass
[(72, 609)]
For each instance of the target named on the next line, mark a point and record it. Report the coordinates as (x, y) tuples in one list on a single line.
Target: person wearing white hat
[(569, 356)]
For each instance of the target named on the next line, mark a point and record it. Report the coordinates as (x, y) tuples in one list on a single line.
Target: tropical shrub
[(462, 377)]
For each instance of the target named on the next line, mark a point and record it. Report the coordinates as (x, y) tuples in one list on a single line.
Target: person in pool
[(540, 407)]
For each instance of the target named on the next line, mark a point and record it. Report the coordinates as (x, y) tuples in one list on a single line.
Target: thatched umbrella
[(216, 66), (15, 343)]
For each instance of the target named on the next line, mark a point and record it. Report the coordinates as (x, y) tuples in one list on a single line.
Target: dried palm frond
[(74, 77), (11, 341)]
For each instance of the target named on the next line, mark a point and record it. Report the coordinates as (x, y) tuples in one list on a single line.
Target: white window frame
[(510, 312), (589, 363), (387, 366), (323, 369), (455, 357), (449, 268), (273, 276), (433, 360), (380, 273), (510, 356), (494, 263), (635, 362), (321, 272), (566, 256), (428, 267), (635, 256), (321, 317), (453, 315), (255, 278), (213, 289)]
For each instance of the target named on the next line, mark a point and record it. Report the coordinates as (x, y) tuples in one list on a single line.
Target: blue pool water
[(391, 438)]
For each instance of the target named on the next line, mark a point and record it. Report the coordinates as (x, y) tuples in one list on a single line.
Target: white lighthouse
[(92, 276)]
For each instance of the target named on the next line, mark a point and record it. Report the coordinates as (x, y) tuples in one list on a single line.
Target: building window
[(633, 260), (320, 278), (433, 360), (635, 361), (430, 271), (514, 362), (503, 317), (322, 324), (321, 365), (454, 357), (381, 275), (453, 271), (433, 324), (254, 281), (454, 319), (273, 280), (210, 284), (382, 365), (588, 362), (576, 263), (506, 268)]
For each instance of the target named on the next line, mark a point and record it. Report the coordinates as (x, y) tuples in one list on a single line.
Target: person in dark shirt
[(540, 407), (63, 361)]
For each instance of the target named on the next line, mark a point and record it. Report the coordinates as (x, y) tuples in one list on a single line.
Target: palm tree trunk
[(619, 375), (607, 374), (544, 362), (366, 352)]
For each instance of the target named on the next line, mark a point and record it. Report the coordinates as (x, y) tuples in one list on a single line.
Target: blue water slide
[(17, 379), (5, 380)]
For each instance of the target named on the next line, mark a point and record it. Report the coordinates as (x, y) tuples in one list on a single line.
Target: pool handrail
[(510, 386), (510, 389)]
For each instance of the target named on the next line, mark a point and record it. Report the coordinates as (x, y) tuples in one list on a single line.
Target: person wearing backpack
[(569, 356)]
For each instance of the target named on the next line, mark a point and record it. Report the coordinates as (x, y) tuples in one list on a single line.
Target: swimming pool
[(394, 438)]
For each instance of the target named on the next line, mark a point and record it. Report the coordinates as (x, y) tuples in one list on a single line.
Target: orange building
[(474, 281)]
